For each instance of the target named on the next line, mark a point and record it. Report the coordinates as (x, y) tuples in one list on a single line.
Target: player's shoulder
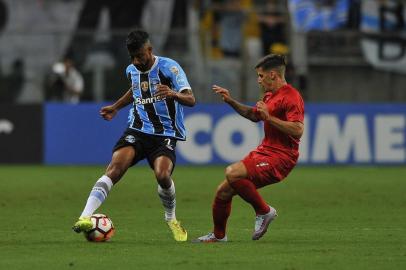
[(292, 96), (168, 63), (130, 68), (166, 60), (291, 91), (169, 66)]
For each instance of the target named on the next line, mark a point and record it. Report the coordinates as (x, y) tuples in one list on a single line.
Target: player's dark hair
[(273, 61), (136, 40)]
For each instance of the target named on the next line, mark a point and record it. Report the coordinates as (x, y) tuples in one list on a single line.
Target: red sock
[(248, 191), (221, 212)]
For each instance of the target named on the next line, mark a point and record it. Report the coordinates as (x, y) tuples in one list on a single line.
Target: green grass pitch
[(329, 218)]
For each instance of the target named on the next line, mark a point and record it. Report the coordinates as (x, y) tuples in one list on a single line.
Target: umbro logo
[(130, 138), (262, 164)]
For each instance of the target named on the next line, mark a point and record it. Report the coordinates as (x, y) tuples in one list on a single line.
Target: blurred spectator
[(12, 83), (354, 15), (65, 83), (231, 20), (123, 15), (272, 25), (3, 15), (224, 20), (73, 82), (322, 15)]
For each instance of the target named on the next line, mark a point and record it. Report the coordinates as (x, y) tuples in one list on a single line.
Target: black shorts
[(148, 146)]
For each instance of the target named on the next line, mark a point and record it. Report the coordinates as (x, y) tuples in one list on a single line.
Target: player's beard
[(142, 67)]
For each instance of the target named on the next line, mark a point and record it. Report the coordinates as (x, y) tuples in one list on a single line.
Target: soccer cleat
[(84, 224), (262, 222), (209, 238), (179, 233)]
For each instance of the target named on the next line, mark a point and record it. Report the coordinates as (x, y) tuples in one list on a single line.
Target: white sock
[(97, 196), (168, 199)]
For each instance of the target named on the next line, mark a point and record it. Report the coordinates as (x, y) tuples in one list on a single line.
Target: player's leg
[(237, 177), (121, 160), (221, 209), (163, 166), (166, 187)]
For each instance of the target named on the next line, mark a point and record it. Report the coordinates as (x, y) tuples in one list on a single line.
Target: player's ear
[(272, 75)]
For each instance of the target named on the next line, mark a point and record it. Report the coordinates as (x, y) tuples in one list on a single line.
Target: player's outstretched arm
[(243, 110), (108, 112)]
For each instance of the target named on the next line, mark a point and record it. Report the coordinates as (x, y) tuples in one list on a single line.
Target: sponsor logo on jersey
[(150, 100), (181, 81), (174, 70), (144, 86), (135, 85), (154, 83), (262, 164), (130, 138)]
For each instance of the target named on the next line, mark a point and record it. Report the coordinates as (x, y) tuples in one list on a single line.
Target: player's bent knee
[(231, 174), (115, 172), (164, 178), (162, 175)]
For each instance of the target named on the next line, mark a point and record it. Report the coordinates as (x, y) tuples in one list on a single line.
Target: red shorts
[(267, 168)]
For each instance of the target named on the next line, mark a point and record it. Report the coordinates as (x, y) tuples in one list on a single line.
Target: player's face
[(266, 79), (143, 59)]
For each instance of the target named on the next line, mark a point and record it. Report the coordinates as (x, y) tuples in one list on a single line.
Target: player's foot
[(262, 222), (209, 238), (84, 224), (179, 233)]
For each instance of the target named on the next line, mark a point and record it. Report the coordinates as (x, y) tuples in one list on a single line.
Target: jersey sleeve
[(295, 109), (177, 76), (128, 73)]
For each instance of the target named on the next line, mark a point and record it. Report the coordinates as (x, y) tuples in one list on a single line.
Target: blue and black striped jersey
[(150, 114)]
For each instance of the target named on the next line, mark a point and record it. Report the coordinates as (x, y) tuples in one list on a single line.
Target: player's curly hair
[(273, 61), (135, 40)]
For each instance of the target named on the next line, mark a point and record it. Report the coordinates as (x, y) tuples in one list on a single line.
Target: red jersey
[(287, 105)]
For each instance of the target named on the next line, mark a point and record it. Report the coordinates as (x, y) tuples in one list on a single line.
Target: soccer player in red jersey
[(282, 111)]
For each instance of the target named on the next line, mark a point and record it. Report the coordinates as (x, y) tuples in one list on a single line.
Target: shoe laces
[(258, 221), (209, 236), (176, 224)]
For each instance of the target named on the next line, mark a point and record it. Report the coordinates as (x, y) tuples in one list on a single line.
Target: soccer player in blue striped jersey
[(159, 89)]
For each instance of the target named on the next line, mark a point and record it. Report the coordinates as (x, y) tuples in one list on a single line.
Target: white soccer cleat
[(262, 222), (209, 238)]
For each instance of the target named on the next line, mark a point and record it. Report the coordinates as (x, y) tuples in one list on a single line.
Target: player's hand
[(262, 110), (224, 93), (108, 112), (163, 91)]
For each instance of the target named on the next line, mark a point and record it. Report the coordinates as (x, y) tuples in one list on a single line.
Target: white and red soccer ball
[(102, 230)]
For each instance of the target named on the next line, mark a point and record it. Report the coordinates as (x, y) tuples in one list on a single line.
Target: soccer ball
[(102, 230)]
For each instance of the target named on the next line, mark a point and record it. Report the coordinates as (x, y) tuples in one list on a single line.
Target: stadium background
[(344, 53), (347, 57)]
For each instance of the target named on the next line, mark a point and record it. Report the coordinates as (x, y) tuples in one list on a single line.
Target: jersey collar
[(156, 60)]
